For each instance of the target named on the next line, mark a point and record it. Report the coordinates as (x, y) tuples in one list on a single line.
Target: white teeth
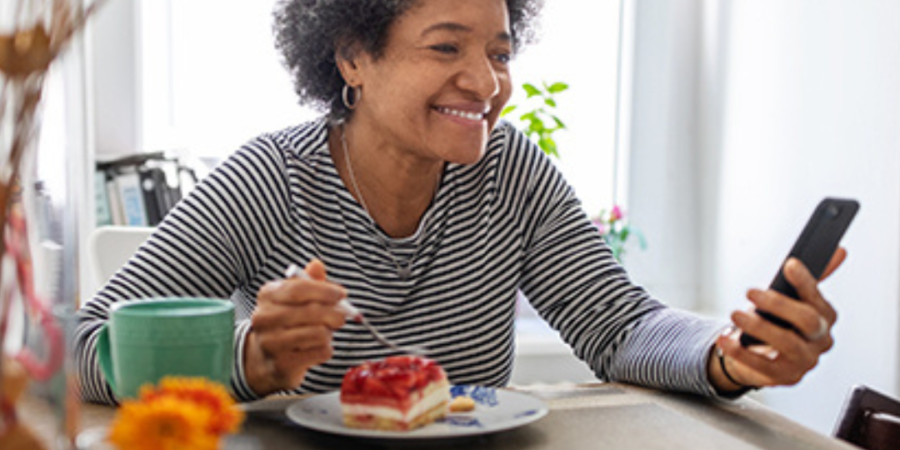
[(463, 114)]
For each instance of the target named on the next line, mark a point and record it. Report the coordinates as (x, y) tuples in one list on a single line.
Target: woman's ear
[(347, 59)]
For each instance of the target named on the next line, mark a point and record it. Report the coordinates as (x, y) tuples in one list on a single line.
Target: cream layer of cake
[(438, 396)]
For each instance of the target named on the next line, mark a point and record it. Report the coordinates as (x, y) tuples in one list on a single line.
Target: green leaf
[(548, 145), (536, 118), (559, 123), (531, 90), (537, 126), (508, 110), (557, 87)]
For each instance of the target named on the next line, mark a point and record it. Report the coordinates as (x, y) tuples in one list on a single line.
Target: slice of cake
[(399, 393)]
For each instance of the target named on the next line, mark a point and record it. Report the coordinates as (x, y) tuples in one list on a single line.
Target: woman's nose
[(480, 77)]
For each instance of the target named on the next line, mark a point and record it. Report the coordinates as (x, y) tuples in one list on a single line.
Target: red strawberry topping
[(395, 376)]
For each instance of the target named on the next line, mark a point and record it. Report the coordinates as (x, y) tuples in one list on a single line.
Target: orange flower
[(225, 416), (166, 423), (181, 413)]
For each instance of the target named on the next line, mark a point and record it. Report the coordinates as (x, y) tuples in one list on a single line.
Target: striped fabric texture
[(508, 223)]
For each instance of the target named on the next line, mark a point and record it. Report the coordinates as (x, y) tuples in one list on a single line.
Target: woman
[(429, 214)]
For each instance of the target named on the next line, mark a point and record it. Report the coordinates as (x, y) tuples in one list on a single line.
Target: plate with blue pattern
[(495, 410)]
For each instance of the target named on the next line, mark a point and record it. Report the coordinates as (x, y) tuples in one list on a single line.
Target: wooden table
[(591, 416)]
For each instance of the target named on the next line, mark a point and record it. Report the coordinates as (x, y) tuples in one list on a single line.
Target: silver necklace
[(403, 271)]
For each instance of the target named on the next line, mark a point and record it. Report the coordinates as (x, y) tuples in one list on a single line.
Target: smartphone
[(814, 248)]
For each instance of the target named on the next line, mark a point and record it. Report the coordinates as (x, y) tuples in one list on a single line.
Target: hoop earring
[(345, 96)]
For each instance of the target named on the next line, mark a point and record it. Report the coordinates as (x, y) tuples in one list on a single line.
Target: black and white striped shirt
[(508, 222)]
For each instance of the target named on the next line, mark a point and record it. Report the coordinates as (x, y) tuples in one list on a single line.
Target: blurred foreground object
[(33, 34)]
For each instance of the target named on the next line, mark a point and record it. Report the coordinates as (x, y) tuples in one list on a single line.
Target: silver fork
[(350, 312)]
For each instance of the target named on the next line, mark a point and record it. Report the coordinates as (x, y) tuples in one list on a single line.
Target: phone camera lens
[(832, 211)]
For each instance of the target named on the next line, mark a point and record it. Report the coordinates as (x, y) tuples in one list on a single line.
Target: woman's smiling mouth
[(468, 115)]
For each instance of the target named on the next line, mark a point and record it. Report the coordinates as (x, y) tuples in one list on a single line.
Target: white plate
[(495, 410)]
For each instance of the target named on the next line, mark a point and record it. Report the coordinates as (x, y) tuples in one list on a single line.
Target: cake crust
[(374, 422)]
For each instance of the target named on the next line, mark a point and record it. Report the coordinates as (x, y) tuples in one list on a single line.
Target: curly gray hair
[(308, 32)]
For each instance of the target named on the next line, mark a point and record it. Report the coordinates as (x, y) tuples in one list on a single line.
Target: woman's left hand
[(789, 354)]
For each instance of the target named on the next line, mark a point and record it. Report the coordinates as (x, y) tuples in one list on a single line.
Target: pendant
[(404, 273)]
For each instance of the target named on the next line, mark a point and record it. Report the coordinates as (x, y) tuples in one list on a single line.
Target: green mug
[(146, 340)]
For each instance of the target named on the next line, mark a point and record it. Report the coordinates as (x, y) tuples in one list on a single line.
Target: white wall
[(789, 101)]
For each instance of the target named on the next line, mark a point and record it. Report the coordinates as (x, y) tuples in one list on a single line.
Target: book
[(132, 198), (101, 200), (115, 202), (172, 186), (153, 189)]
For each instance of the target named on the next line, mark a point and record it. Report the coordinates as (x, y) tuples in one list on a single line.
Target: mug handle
[(104, 356)]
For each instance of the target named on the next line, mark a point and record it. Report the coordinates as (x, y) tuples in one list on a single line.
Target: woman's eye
[(503, 58), (445, 48)]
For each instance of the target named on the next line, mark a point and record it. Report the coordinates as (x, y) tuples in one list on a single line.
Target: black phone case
[(814, 247)]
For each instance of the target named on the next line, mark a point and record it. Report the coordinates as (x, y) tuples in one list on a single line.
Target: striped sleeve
[(668, 349), (239, 386)]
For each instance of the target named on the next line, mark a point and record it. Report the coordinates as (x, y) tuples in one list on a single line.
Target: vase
[(39, 213)]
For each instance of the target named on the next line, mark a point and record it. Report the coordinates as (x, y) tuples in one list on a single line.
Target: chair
[(870, 420), (111, 246)]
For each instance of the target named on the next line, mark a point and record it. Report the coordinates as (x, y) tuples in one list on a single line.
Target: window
[(579, 45), (221, 82), (212, 79)]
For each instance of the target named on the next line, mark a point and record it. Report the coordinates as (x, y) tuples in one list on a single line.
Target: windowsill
[(535, 337), (542, 356)]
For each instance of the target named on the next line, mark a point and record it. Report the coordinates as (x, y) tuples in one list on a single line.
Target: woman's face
[(442, 81)]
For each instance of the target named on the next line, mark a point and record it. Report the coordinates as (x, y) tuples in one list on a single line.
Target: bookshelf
[(138, 190)]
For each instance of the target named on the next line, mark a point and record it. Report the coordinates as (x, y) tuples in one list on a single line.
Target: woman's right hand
[(291, 330)]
